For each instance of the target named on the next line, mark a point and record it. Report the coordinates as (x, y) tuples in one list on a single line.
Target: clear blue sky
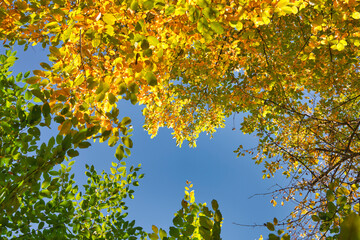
[(212, 167)]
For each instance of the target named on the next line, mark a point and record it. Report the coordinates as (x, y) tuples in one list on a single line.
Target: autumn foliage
[(291, 65)]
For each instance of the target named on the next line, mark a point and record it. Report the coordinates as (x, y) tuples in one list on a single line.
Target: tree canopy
[(292, 66)]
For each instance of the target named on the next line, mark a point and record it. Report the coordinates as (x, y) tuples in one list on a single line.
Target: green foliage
[(39, 201), (193, 221), (39, 198)]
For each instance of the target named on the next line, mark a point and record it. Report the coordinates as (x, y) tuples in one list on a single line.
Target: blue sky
[(212, 167)]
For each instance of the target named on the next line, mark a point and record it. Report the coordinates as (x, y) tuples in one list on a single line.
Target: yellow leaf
[(109, 19), (110, 30), (282, 3), (79, 18), (155, 229), (355, 15)]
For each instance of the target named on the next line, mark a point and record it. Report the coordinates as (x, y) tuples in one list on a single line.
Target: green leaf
[(28, 95), (45, 184), (273, 237), (148, 5), (45, 193), (35, 115), (216, 27), (170, 10), (119, 154), (84, 145), (214, 205), (46, 109), (350, 228), (174, 232), (151, 79), (331, 207), (178, 222), (134, 5), (206, 222), (145, 44), (126, 121), (127, 142), (153, 40), (72, 153), (79, 80), (112, 98), (189, 230), (270, 226), (218, 216), (315, 218), (112, 141), (162, 234), (205, 233)]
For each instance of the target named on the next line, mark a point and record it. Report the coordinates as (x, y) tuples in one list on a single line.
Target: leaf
[(145, 44), (330, 196), (218, 216), (126, 121), (84, 144), (65, 127), (33, 80), (35, 115), (155, 229), (162, 234), (134, 5), (151, 79), (170, 10), (109, 19), (206, 222), (153, 40), (119, 154), (46, 109), (45, 66), (178, 222), (282, 3), (127, 142), (275, 221), (79, 80), (112, 98), (205, 233), (153, 236), (55, 51), (72, 153), (112, 141), (216, 27), (214, 205), (270, 226), (355, 15), (174, 232), (148, 5)]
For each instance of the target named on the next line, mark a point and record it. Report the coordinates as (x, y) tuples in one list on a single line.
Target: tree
[(41, 201), (291, 65)]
